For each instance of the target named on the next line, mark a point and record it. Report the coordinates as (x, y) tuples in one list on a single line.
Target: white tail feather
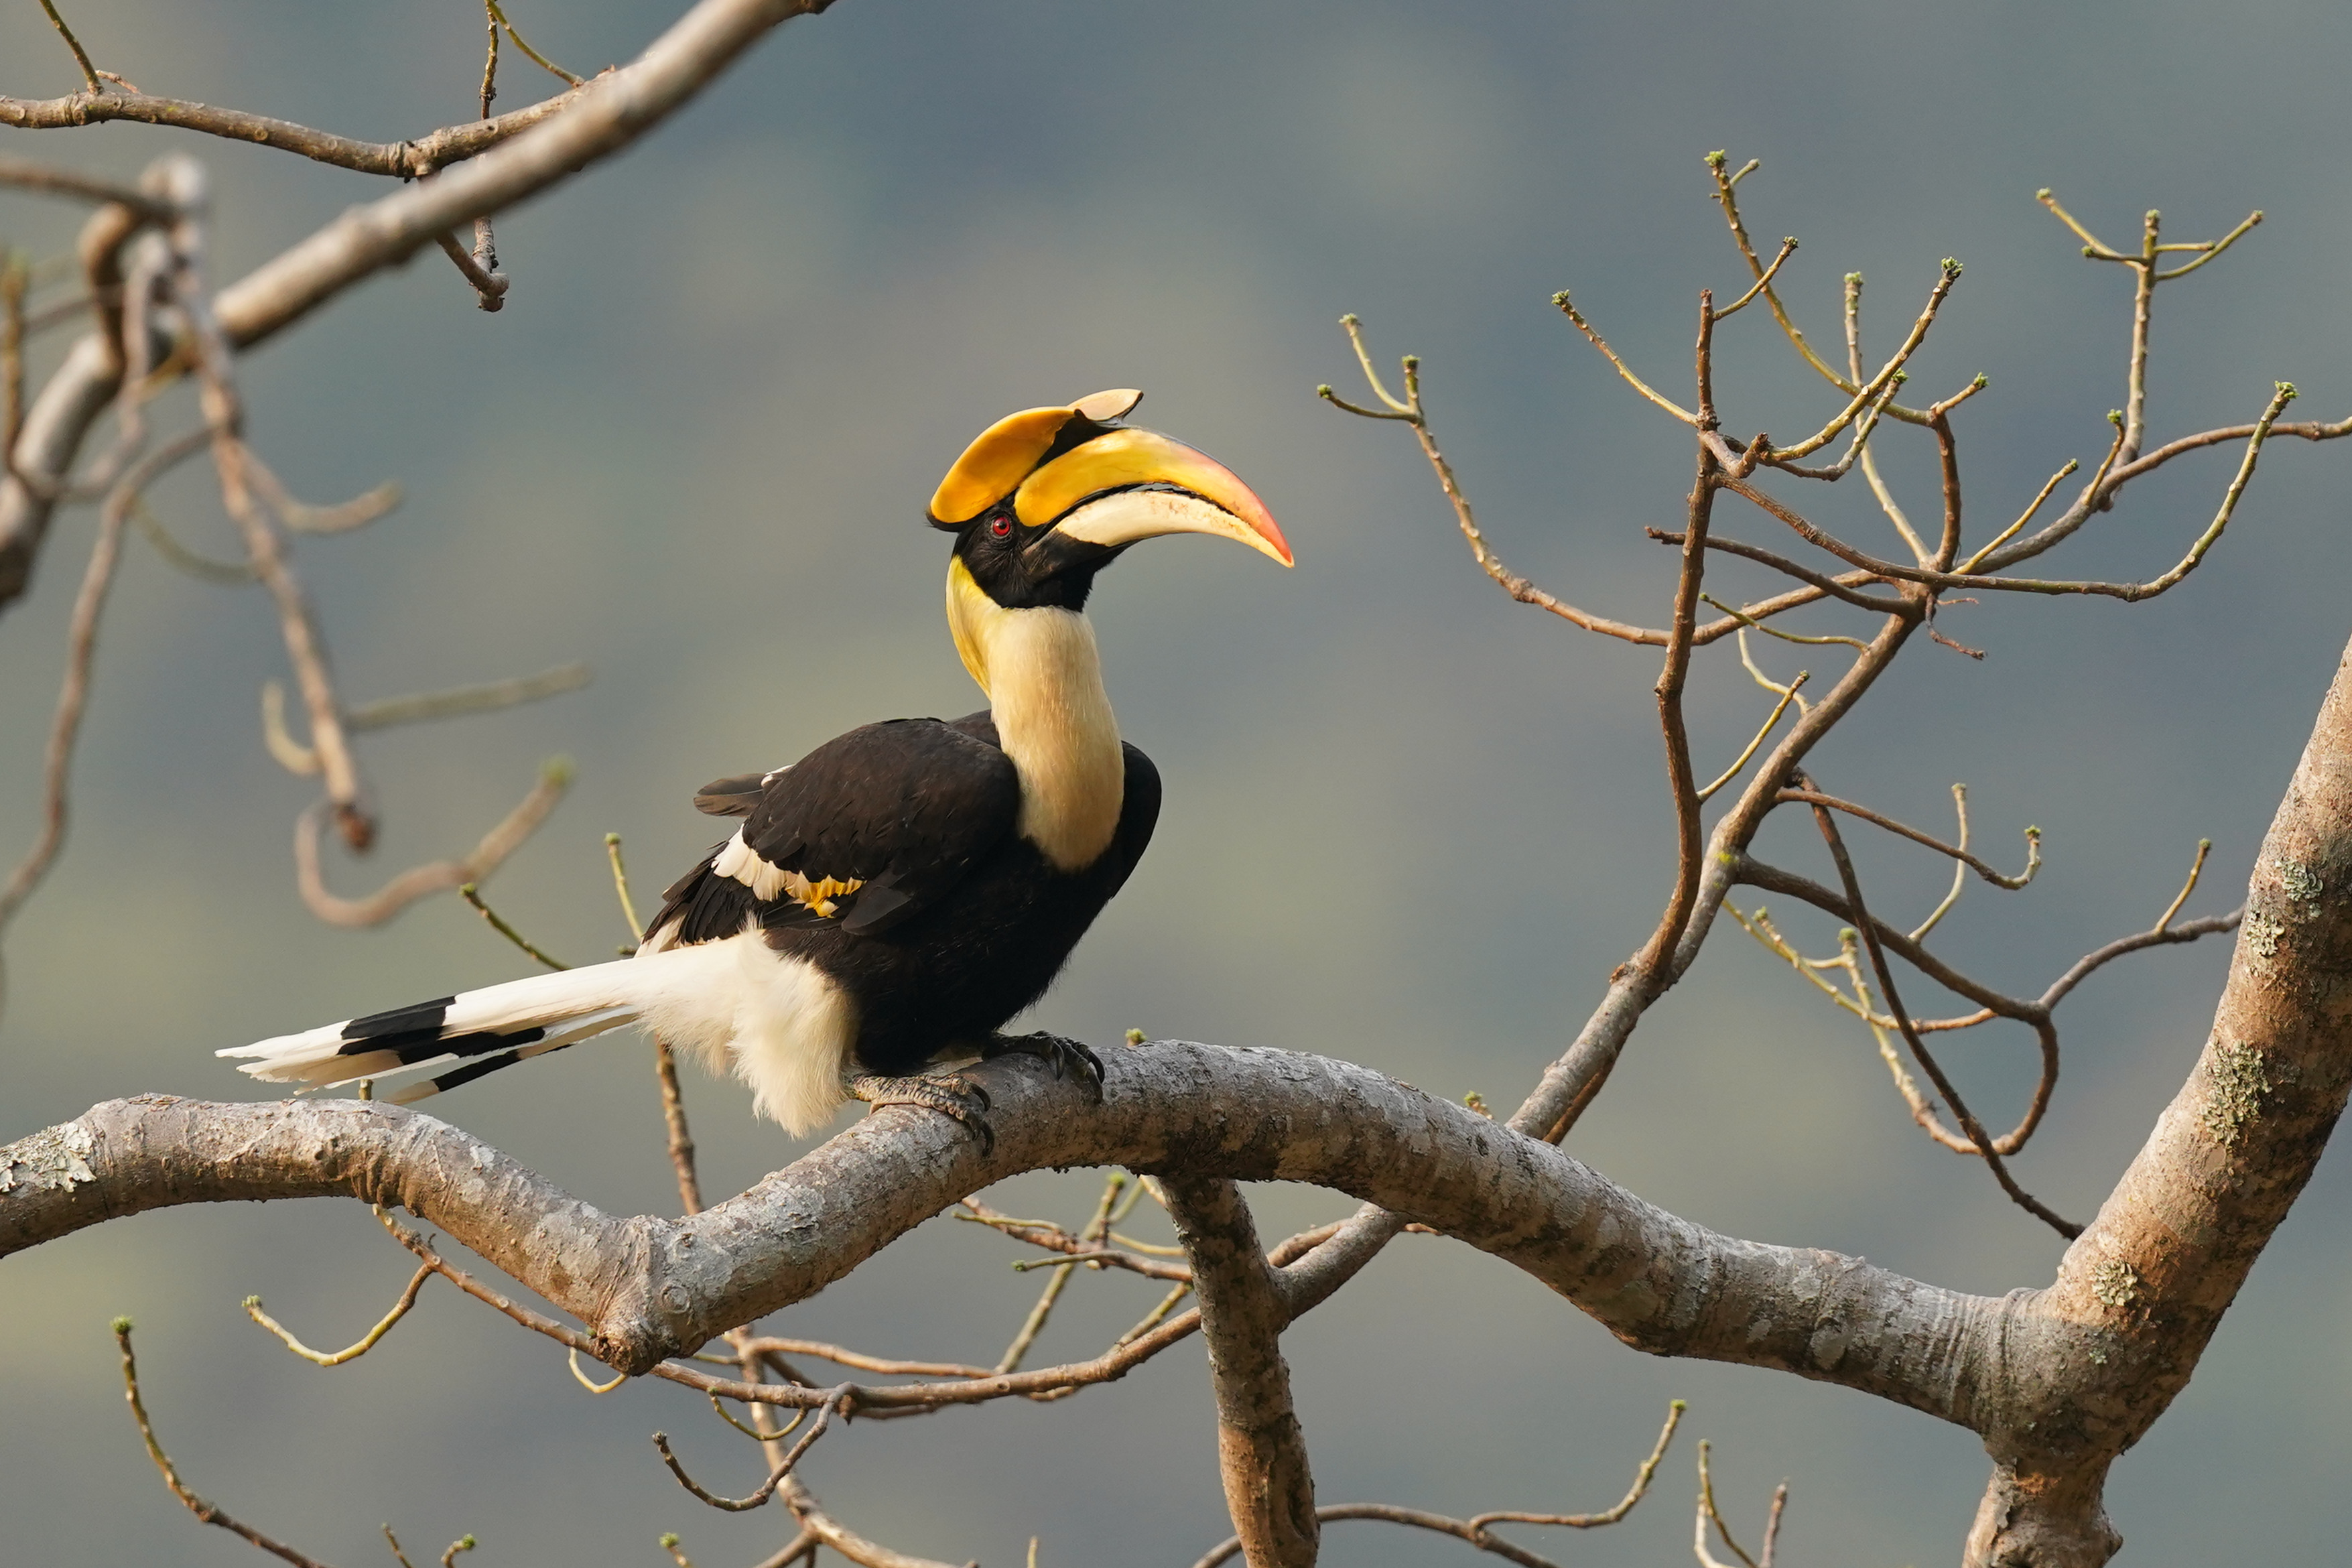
[(600, 997), (784, 1027)]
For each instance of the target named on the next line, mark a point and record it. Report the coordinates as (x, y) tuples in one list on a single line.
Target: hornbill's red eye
[(1000, 526)]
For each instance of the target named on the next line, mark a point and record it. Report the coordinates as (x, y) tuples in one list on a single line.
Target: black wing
[(869, 829), (731, 797)]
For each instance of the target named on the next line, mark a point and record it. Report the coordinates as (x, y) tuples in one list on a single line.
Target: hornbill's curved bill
[(896, 896)]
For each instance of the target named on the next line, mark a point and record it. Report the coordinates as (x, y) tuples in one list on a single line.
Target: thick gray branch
[(649, 1288)]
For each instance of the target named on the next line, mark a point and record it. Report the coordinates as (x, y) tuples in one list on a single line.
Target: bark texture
[(1261, 1449), (648, 1287), (2101, 1353)]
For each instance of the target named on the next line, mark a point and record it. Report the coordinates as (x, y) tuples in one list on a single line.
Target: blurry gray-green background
[(1407, 822)]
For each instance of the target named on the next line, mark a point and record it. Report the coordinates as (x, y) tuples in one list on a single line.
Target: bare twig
[(1410, 411), (767, 1345), (210, 1513), (621, 886), (413, 159), (1763, 281), (490, 285), (1475, 1530), (204, 568), (349, 1353), (680, 1139), (498, 15), (81, 55), (1090, 1239), (1788, 695), (2163, 935), (1958, 852), (305, 647), (1708, 1513), (1966, 1119), (856, 1548), (837, 1399), (1637, 383), (1053, 1238), (1743, 621), (304, 517), (488, 697), (473, 896), (2006, 534), (572, 1359), (1838, 588), (2195, 868)]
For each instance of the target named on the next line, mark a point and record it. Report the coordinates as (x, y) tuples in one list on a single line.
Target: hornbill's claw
[(951, 1094), (1064, 1057)]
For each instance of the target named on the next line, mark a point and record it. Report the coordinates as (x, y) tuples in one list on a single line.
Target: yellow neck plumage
[(1043, 679)]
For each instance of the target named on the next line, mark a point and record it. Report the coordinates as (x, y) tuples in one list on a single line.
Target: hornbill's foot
[(951, 1094), (1066, 1057)]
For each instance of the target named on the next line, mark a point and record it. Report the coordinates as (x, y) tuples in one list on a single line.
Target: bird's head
[(1044, 498)]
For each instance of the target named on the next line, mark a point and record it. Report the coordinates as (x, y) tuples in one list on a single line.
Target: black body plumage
[(959, 923)]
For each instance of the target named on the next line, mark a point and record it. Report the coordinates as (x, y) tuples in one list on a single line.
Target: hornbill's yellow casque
[(896, 895)]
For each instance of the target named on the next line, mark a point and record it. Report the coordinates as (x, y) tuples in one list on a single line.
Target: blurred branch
[(204, 568), (419, 881), (24, 174), (303, 517), (81, 652), (550, 143), (487, 698)]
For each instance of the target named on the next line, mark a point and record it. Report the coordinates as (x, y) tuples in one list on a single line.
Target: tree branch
[(596, 121), (410, 159), (2140, 1293), (648, 1287), (1261, 1452)]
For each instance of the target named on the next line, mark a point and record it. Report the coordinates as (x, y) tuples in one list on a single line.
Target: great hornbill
[(894, 897)]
